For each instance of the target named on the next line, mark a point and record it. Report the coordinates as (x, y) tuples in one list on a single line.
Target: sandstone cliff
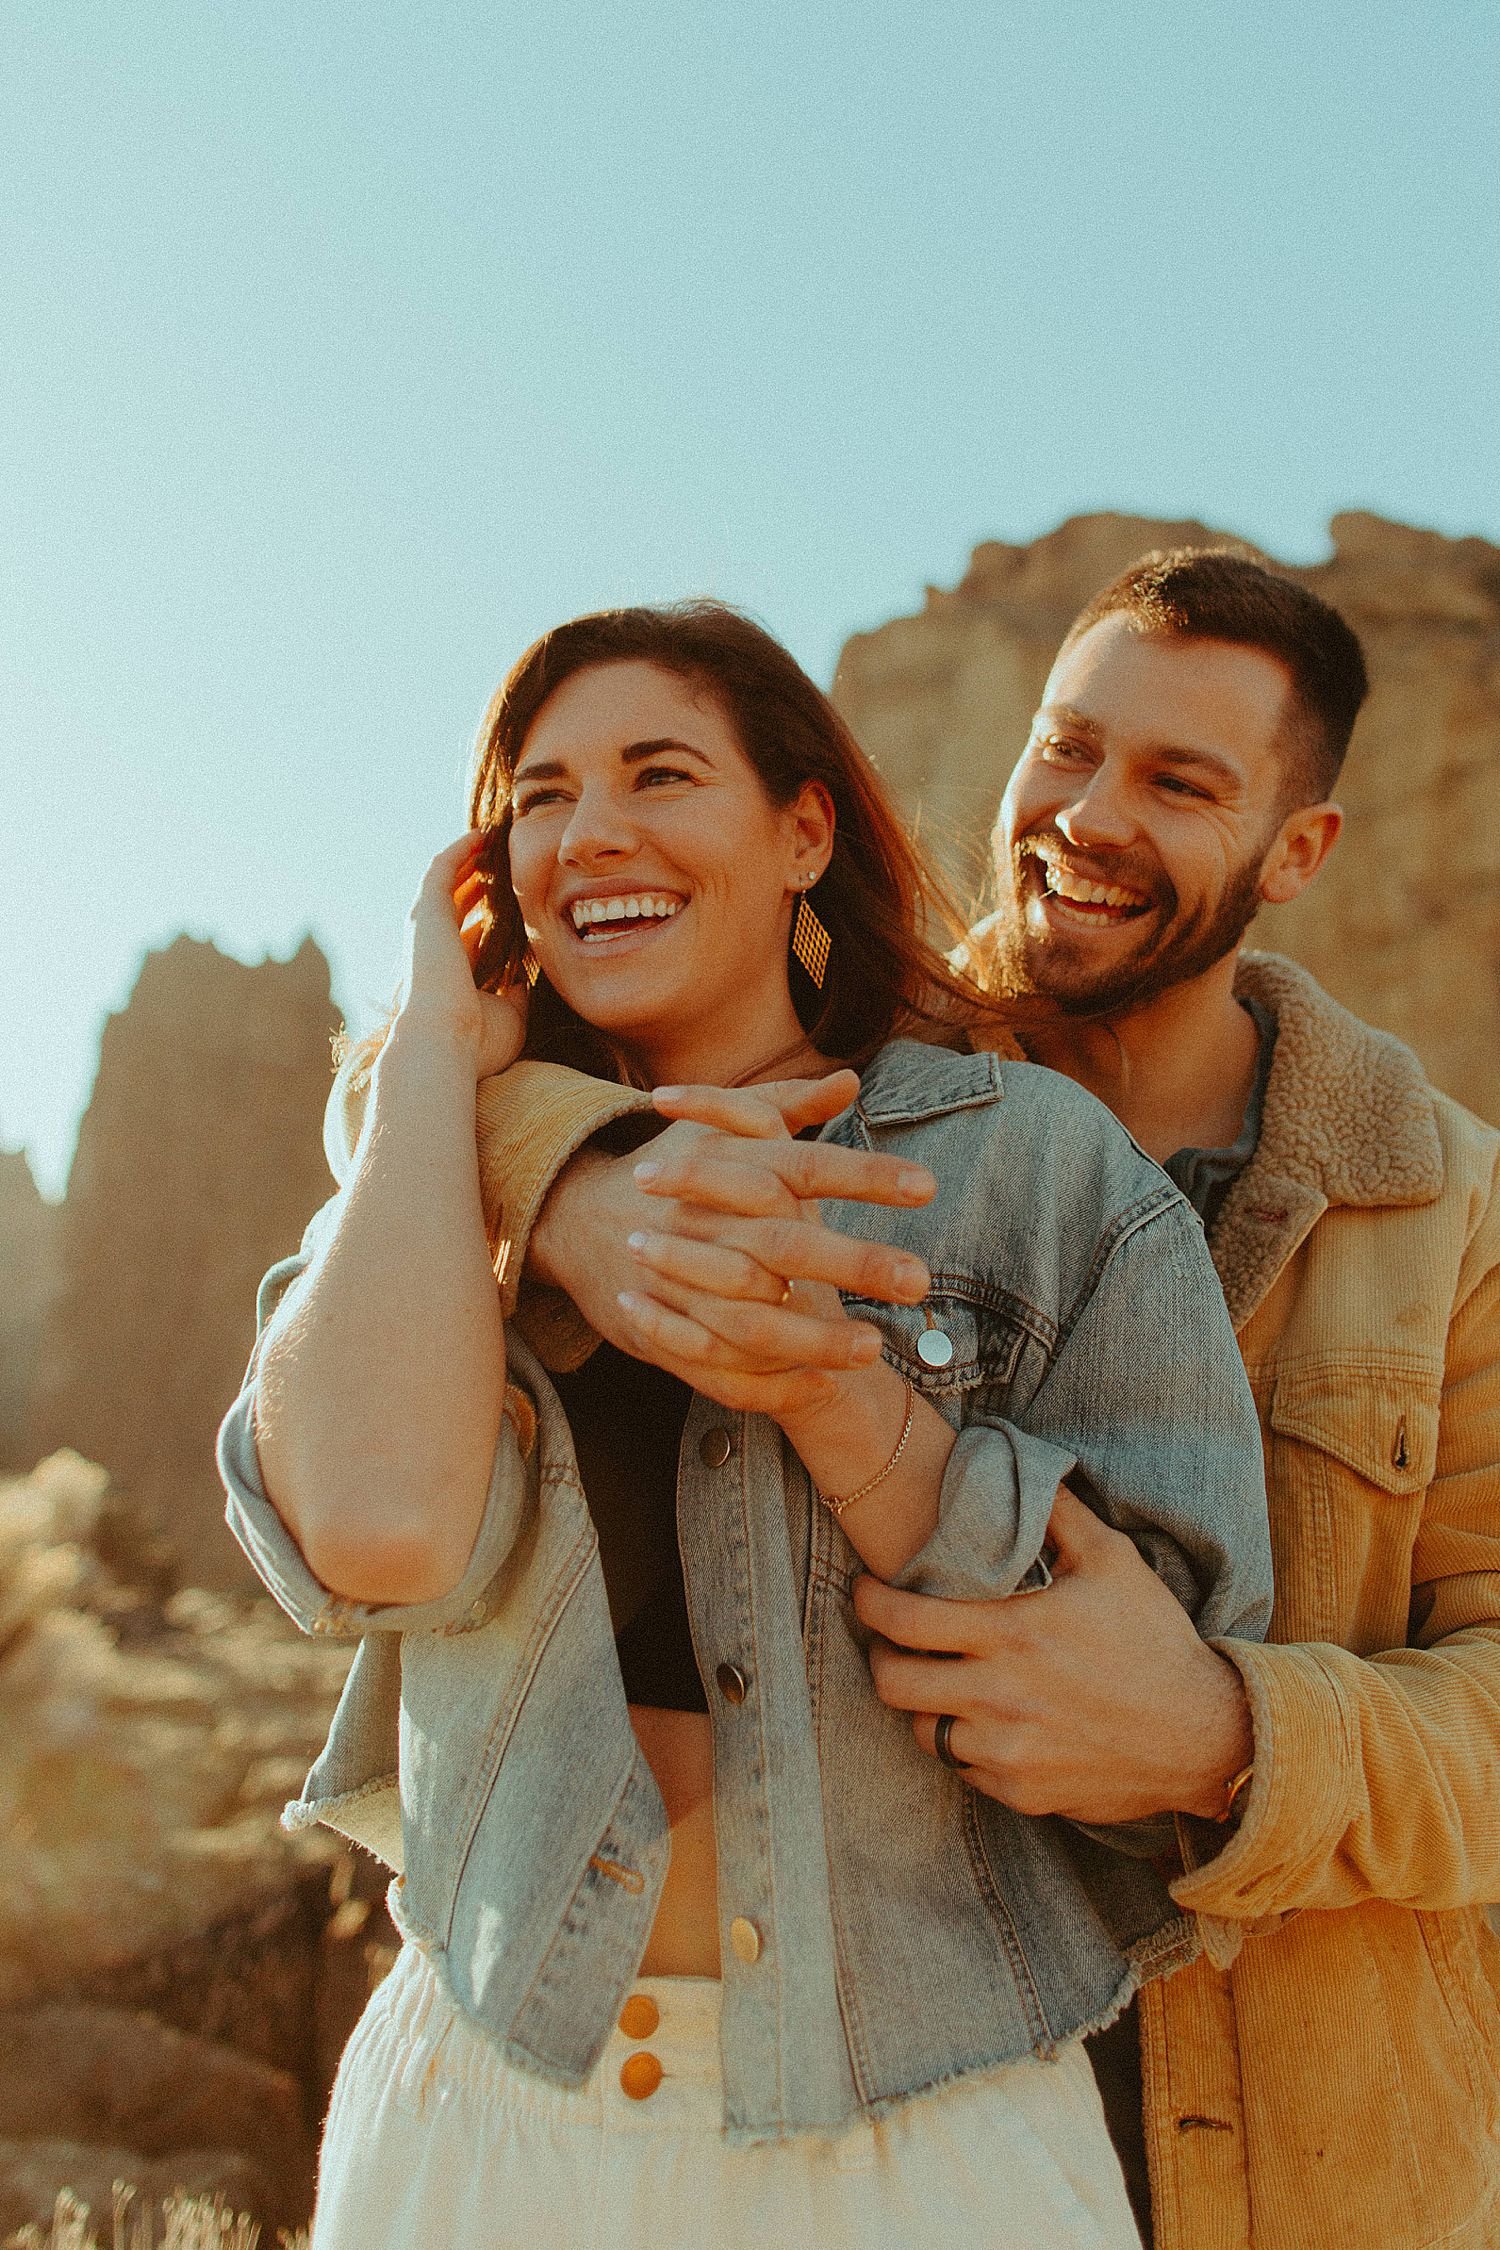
[(29, 1227), (199, 1162), (1404, 924)]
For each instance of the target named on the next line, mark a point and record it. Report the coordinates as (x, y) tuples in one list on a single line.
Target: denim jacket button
[(714, 1448), (745, 1938), (733, 1685)]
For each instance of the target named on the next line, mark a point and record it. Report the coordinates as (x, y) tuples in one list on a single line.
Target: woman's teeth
[(592, 917)]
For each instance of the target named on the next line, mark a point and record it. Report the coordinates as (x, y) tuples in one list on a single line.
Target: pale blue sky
[(344, 348)]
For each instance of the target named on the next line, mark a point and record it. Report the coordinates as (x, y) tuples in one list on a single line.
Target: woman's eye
[(533, 799), (661, 773)]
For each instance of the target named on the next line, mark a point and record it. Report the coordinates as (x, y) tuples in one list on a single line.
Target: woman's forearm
[(383, 1374), (843, 1445)]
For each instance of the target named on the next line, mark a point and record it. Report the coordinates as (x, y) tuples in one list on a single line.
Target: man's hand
[(721, 1210), (1094, 1698)]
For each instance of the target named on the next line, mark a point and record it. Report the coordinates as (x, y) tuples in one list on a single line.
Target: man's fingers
[(729, 1109), (759, 1179), (918, 1621), (798, 1250), (1074, 1531), (917, 1683)]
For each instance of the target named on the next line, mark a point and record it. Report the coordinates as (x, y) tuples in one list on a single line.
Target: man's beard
[(1182, 948)]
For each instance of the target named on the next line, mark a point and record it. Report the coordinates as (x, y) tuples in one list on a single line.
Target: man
[(1328, 2074)]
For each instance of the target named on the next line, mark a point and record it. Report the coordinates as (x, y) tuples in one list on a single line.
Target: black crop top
[(627, 1420)]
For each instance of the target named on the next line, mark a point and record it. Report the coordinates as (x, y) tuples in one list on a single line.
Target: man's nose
[(598, 828), (1100, 816)]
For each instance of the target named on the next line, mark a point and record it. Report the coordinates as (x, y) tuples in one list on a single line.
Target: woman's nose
[(598, 828)]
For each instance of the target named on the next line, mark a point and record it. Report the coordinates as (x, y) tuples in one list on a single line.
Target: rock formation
[(177, 1974), (28, 1277), (1404, 923), (199, 1162)]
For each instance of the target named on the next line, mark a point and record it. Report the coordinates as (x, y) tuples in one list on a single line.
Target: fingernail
[(914, 1181), (628, 1301), (647, 1171), (865, 1346), (909, 1275), (667, 1094), (636, 1241)]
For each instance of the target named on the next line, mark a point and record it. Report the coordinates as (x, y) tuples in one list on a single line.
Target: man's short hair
[(1226, 594)]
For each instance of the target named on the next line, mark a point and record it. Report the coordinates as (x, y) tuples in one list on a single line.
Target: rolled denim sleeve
[(273, 1552), (993, 1505)]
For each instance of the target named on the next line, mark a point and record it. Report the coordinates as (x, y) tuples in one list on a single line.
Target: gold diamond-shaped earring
[(810, 940)]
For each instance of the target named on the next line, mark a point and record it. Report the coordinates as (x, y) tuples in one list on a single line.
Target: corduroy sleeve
[(1379, 1777)]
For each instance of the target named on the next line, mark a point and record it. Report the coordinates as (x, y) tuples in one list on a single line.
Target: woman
[(590, 1771)]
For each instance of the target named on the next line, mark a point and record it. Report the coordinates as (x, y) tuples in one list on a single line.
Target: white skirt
[(434, 2143)]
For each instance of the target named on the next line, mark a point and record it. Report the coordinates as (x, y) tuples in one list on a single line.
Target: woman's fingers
[(745, 1390), (806, 1250), (757, 1257), (724, 1332)]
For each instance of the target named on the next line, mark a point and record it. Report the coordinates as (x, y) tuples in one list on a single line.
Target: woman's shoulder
[(1042, 1129)]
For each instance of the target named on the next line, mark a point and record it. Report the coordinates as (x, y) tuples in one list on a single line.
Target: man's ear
[(1302, 844)]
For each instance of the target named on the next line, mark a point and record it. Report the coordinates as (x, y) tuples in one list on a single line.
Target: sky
[(343, 349)]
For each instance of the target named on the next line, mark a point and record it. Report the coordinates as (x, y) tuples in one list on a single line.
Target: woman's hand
[(738, 1295), (742, 1305), (438, 992)]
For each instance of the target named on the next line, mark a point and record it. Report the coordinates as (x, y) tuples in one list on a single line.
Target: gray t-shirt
[(1206, 1175)]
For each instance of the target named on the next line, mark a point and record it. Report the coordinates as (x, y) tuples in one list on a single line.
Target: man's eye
[(1175, 786), (1058, 751)]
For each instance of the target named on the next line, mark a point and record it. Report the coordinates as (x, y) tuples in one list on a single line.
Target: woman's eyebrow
[(551, 769)]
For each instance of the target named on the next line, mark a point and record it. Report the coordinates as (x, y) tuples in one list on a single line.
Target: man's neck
[(1178, 1072)]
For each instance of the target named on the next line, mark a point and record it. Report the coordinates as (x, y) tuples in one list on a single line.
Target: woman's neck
[(719, 1057)]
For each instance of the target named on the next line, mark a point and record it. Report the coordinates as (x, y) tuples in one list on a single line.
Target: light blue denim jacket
[(909, 1929)]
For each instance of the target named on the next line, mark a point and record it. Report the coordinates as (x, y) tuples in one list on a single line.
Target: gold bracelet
[(1232, 1789), (836, 1504)]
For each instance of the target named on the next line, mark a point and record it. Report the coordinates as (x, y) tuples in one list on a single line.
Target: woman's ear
[(811, 826), (1306, 838)]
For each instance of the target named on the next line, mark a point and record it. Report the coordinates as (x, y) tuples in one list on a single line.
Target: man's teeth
[(1081, 893), (647, 906)]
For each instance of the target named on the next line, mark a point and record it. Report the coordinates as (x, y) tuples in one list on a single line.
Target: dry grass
[(187, 2222)]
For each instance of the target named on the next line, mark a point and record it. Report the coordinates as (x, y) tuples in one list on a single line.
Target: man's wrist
[(552, 1254), (1226, 1743)]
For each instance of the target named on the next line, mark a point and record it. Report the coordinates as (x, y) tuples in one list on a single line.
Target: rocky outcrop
[(1403, 925), (28, 1280), (177, 1974), (199, 1161)]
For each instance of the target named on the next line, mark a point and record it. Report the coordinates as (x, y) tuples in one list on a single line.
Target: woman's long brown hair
[(887, 912)]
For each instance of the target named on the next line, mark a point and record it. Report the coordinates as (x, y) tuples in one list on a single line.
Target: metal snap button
[(745, 1938), (714, 1448), (733, 1685)]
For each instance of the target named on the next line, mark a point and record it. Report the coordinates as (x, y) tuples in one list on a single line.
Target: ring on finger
[(942, 1743), (786, 1294)]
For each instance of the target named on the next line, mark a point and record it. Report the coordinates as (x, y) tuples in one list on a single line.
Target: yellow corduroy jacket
[(1337, 2087)]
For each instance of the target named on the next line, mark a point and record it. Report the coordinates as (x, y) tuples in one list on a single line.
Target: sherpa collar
[(1349, 1119)]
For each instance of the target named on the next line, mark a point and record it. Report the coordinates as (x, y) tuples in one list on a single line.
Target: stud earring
[(810, 940)]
